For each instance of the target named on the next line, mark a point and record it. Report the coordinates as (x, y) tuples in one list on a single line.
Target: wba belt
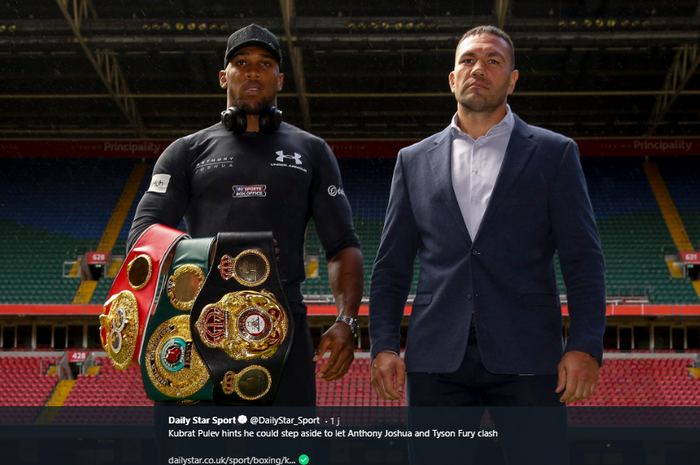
[(171, 367), (133, 295), (240, 322)]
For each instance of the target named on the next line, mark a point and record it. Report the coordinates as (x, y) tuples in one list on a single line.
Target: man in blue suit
[(485, 204)]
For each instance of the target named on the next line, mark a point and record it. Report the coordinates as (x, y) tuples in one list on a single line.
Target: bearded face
[(252, 80), (483, 76)]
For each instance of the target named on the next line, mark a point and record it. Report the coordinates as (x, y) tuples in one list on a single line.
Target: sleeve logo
[(333, 191), (159, 183)]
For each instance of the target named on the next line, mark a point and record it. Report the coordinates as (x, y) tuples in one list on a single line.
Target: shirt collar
[(506, 125)]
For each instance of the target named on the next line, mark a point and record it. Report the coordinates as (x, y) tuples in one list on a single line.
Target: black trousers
[(298, 385), (530, 422)]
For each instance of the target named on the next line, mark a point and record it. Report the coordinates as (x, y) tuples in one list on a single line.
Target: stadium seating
[(110, 388), (682, 178), (354, 389), (646, 382), (31, 264), (125, 388), (73, 196), (52, 213), (633, 233), (623, 382), (25, 381)]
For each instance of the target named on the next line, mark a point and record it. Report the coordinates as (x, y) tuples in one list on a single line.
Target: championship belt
[(171, 367), (240, 322), (133, 295)]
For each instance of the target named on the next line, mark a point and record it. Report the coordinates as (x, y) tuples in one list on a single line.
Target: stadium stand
[(126, 388), (354, 389), (50, 216), (636, 382), (39, 236), (31, 264), (633, 233), (641, 380), (25, 380), (683, 180), (105, 282), (59, 195)]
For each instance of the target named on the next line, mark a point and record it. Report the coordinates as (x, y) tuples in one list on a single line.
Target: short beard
[(253, 108), (483, 103), (479, 105)]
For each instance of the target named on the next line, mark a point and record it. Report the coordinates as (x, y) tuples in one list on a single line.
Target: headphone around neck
[(234, 119)]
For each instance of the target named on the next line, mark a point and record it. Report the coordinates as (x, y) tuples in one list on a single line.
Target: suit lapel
[(439, 157), (520, 148)]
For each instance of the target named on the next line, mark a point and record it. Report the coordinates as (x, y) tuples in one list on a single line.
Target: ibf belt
[(171, 367), (240, 322), (133, 295)]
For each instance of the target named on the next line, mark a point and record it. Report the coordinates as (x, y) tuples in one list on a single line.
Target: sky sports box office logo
[(249, 191)]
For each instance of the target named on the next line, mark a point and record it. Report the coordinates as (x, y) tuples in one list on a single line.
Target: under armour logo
[(281, 156)]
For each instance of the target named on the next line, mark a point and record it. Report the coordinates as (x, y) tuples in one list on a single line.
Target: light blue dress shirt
[(475, 168)]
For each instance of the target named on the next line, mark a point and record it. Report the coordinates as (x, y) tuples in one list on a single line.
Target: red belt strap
[(133, 294)]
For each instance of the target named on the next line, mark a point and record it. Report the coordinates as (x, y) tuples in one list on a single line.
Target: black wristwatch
[(352, 322)]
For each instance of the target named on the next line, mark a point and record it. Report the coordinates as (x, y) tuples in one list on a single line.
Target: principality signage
[(82, 148), (368, 148), (638, 147), (633, 147)]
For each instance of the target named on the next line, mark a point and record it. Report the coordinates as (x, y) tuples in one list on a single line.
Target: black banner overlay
[(330, 435)]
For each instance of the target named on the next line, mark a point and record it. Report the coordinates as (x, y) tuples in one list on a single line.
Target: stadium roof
[(354, 69)]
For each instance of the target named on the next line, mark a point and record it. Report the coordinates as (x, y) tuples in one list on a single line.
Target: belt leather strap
[(132, 298), (171, 367), (241, 323)]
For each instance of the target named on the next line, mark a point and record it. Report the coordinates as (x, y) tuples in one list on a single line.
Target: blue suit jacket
[(505, 277)]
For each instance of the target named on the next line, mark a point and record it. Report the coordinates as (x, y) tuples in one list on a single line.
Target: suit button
[(469, 296), (474, 252)]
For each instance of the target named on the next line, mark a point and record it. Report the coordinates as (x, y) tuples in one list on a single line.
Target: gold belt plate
[(121, 325), (251, 383), (172, 362), (245, 324)]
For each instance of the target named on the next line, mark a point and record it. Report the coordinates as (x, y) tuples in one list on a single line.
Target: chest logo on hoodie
[(289, 161), (259, 190)]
